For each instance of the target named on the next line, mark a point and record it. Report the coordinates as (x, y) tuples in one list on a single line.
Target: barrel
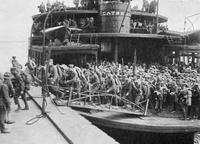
[(112, 15)]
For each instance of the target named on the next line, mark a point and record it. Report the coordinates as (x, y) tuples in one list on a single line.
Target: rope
[(36, 119)]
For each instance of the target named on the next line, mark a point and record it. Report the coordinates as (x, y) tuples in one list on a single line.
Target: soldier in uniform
[(15, 63), (94, 81), (173, 90), (127, 89), (159, 98), (4, 104), (53, 80), (42, 8), (137, 90), (110, 86), (20, 89), (48, 6), (76, 2), (31, 69), (185, 100), (152, 7), (145, 6), (11, 91)]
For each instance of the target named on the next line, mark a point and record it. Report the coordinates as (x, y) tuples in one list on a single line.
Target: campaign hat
[(71, 66), (7, 75)]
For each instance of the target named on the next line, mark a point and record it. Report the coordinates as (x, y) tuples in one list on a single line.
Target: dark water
[(135, 137)]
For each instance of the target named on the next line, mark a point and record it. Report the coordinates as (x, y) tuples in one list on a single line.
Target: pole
[(157, 17), (124, 16)]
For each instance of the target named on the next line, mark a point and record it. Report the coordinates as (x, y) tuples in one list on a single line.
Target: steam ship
[(111, 30)]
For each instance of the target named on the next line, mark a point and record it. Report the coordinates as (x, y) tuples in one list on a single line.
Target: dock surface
[(73, 127), (62, 125), (41, 132)]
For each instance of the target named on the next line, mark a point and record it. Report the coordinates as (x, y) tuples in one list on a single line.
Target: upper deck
[(138, 14), (113, 16)]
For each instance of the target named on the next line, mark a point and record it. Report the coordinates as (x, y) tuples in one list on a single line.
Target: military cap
[(63, 66), (51, 62), (71, 65), (13, 56), (7, 75)]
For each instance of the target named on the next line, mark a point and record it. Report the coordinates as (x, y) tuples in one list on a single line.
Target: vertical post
[(157, 17), (70, 96), (45, 90), (146, 108), (134, 61), (116, 51)]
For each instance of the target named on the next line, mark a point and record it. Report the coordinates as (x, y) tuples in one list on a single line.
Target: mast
[(124, 16)]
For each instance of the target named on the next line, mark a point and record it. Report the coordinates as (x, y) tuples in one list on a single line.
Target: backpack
[(26, 81)]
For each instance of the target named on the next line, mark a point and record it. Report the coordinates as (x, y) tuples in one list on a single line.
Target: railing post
[(146, 108), (70, 96)]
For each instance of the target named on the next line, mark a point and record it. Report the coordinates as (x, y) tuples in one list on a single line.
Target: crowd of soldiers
[(14, 84), (164, 86)]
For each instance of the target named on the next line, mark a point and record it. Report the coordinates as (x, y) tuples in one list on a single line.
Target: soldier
[(159, 98), (152, 7), (42, 8), (145, 6), (94, 81), (110, 86), (15, 63), (185, 100), (11, 91), (20, 89), (127, 89), (4, 104), (48, 6), (173, 90), (53, 80), (137, 88), (76, 2), (31, 69), (196, 100)]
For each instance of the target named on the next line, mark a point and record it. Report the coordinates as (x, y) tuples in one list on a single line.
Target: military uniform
[(159, 98), (4, 104), (42, 8), (20, 89), (48, 6), (53, 81), (15, 63), (184, 94), (11, 92), (137, 88)]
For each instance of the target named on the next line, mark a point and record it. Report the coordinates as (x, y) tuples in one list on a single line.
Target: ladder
[(170, 40), (75, 38)]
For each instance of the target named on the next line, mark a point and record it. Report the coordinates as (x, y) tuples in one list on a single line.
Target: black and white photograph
[(100, 72)]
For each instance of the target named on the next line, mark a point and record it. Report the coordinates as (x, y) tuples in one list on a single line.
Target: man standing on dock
[(11, 91), (4, 104), (19, 88)]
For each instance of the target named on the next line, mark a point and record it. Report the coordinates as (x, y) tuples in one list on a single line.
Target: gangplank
[(88, 101)]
